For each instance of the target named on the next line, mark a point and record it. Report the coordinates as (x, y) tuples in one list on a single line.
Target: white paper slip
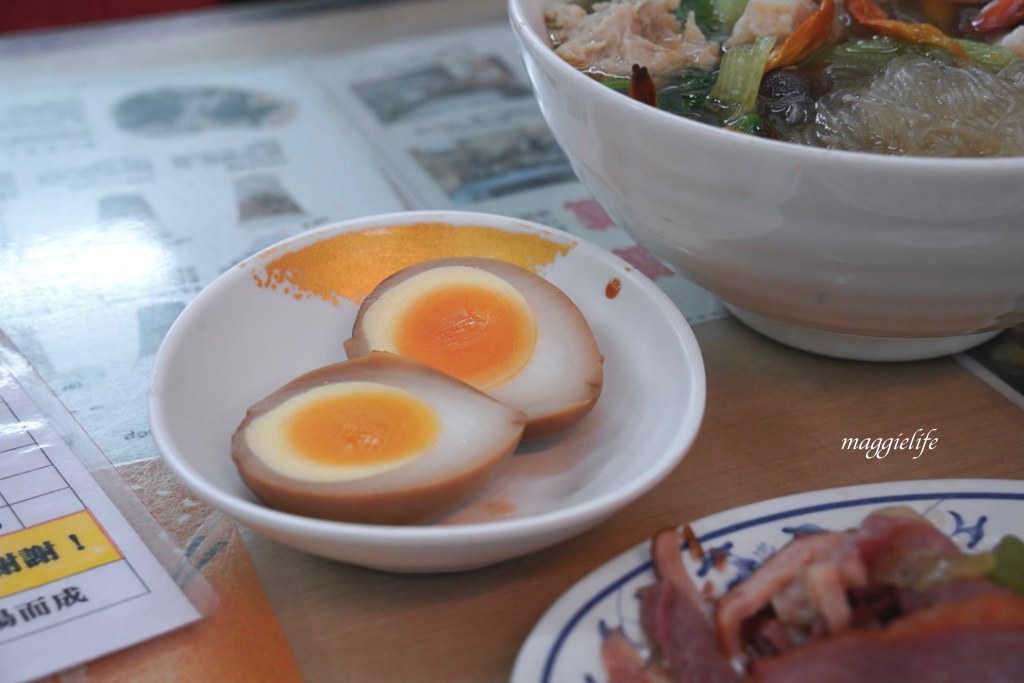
[(76, 581)]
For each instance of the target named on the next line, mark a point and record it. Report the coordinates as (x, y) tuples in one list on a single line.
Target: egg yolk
[(364, 428), (473, 333), (463, 321), (345, 430)]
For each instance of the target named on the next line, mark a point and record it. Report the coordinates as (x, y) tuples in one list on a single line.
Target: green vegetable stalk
[(739, 76)]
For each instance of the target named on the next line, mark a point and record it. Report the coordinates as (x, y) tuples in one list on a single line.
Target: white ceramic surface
[(835, 242), (564, 646), (238, 342)]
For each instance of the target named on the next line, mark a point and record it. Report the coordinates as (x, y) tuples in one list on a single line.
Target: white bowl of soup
[(855, 253)]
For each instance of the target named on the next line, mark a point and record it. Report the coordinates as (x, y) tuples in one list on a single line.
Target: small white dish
[(238, 341), (565, 644)]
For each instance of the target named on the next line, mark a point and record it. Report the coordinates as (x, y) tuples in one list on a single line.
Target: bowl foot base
[(858, 347)]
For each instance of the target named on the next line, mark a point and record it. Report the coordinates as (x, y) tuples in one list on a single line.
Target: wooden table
[(774, 425)]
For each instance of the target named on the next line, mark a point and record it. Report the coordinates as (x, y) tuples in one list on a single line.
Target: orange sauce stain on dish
[(350, 265), (612, 289), (363, 428), (500, 507), (484, 511)]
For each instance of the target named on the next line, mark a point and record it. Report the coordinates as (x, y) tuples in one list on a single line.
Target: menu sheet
[(76, 581)]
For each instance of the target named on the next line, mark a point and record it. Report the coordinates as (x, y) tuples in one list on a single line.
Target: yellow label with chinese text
[(53, 550)]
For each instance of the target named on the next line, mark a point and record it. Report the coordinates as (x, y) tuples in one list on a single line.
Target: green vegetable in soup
[(707, 18), (728, 11), (740, 75), (618, 84), (992, 56), (856, 59), (715, 18), (688, 93), (859, 59), (746, 123)]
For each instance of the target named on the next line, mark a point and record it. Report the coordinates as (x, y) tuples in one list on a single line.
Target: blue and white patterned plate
[(564, 646)]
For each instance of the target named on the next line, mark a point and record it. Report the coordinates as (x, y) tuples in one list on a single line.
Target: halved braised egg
[(501, 328), (380, 439)]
